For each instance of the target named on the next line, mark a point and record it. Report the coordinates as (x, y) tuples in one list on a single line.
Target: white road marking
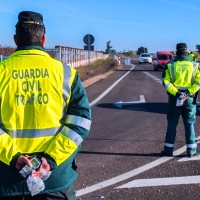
[(161, 181), (128, 175), (110, 88), (153, 77), (122, 103), (185, 159)]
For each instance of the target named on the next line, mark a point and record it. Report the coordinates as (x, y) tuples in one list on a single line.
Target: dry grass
[(99, 67)]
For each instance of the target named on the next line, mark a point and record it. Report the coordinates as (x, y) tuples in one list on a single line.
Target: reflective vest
[(191, 56), (181, 75), (44, 110)]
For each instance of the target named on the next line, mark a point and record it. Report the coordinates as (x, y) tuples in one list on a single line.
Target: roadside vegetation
[(98, 67)]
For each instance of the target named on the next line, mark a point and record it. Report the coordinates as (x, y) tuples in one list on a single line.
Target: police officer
[(181, 79), (44, 112), (192, 56)]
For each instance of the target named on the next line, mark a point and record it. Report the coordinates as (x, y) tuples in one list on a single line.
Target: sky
[(128, 24)]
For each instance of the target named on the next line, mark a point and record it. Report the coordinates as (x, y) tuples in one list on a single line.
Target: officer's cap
[(181, 46), (29, 17)]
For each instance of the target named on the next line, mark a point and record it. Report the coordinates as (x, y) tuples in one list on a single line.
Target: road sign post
[(88, 40)]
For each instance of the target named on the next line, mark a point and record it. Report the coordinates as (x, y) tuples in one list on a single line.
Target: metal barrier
[(73, 56), (76, 57), (2, 57)]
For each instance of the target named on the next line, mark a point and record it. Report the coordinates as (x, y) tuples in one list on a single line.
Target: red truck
[(161, 58)]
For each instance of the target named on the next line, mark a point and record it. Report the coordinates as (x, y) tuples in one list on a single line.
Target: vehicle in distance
[(161, 58), (145, 58)]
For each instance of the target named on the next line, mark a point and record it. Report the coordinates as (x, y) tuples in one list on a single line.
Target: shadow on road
[(160, 108), (129, 154), (145, 107), (121, 154)]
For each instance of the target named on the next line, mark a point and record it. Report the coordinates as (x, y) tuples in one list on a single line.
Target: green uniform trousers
[(65, 194), (188, 113)]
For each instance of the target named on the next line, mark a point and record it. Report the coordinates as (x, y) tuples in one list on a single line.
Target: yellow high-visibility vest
[(182, 75)]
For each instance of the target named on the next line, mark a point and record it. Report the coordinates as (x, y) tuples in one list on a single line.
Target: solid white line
[(161, 181), (110, 88), (127, 175)]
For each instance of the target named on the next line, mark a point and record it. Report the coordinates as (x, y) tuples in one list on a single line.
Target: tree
[(129, 53), (142, 50), (6, 50)]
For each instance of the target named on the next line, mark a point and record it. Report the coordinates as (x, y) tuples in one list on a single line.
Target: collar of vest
[(30, 47)]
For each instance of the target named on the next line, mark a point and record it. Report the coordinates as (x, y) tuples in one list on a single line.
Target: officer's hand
[(178, 94), (23, 160), (43, 171), (187, 92)]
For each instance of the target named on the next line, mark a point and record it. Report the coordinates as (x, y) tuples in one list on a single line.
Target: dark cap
[(181, 46), (29, 17)]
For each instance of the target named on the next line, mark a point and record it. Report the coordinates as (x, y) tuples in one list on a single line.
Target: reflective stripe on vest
[(66, 82), (79, 121), (167, 85), (28, 133), (1, 132), (72, 135), (173, 72)]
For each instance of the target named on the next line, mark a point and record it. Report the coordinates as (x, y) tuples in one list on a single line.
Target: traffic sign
[(89, 48), (88, 39)]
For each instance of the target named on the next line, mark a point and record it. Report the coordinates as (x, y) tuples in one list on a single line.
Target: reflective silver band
[(1, 132), (26, 133), (182, 88), (193, 72), (169, 145), (191, 145), (79, 121), (173, 72), (197, 83), (74, 136), (167, 85), (66, 82)]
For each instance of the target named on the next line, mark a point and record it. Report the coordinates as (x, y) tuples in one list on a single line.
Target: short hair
[(29, 28), (181, 52), (29, 34)]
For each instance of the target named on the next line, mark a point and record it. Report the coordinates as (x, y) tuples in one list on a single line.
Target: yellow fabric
[(32, 89), (41, 144), (31, 93), (191, 56), (61, 148), (183, 73), (8, 148)]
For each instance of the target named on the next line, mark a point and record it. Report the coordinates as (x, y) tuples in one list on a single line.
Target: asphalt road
[(120, 160)]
